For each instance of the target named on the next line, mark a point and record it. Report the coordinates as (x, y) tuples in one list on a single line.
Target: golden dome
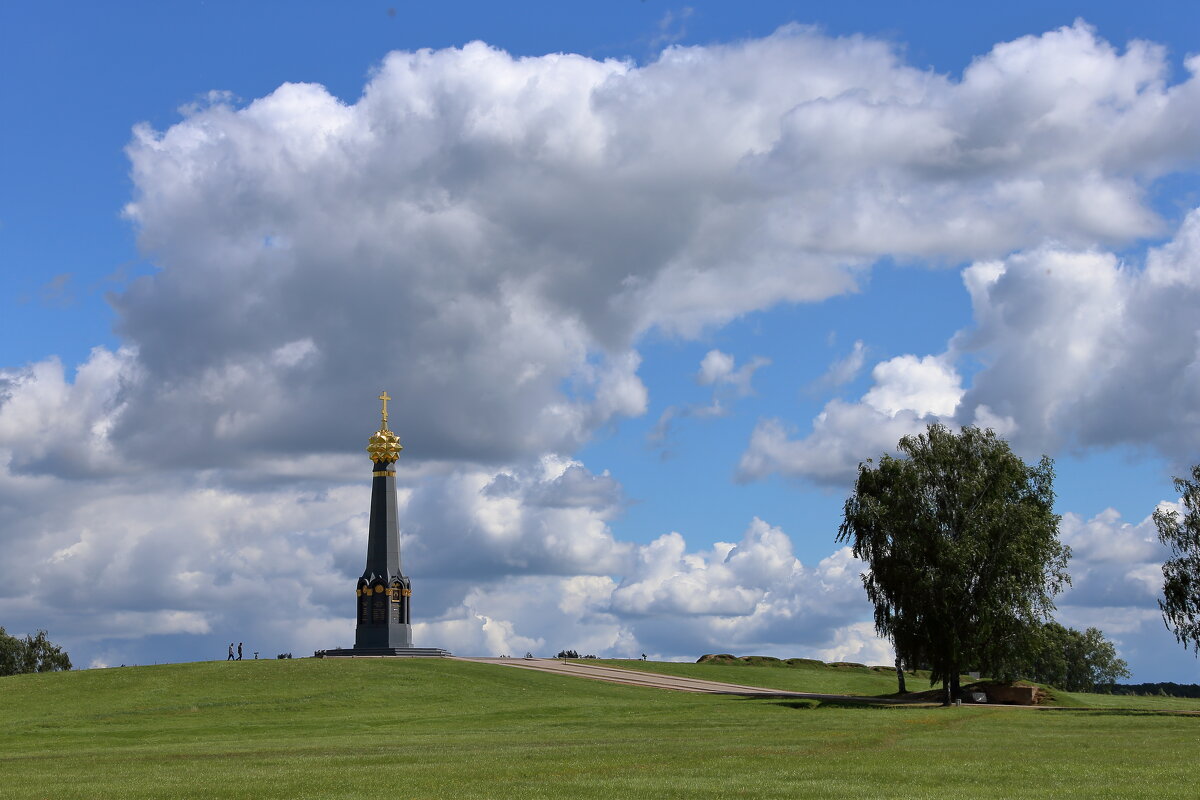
[(384, 447)]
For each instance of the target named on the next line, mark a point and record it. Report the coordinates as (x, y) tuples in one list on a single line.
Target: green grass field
[(445, 729)]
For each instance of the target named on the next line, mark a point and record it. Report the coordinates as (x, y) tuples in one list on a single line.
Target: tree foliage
[(962, 544), (1074, 661), (31, 654), (1181, 572)]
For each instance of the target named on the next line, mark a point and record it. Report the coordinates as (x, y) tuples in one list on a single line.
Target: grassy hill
[(433, 728)]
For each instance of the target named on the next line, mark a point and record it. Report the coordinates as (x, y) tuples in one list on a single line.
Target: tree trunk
[(900, 676), (955, 688), (945, 693)]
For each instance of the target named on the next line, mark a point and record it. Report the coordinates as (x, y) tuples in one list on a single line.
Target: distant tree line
[(1166, 689), (572, 654), (1071, 660), (32, 654)]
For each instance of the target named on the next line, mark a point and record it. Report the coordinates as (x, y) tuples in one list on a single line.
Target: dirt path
[(632, 677)]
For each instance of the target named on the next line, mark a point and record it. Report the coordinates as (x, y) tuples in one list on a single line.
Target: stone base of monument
[(384, 652)]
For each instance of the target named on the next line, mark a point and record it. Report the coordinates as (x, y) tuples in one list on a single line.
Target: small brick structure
[(1014, 695)]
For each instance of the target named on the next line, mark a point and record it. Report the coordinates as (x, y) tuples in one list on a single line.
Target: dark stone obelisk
[(383, 592)]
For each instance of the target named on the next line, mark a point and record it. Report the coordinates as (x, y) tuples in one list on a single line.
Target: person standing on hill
[(239, 658), (230, 652)]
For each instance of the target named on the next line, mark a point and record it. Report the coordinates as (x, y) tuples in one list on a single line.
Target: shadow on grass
[(810, 703), (881, 704), (1120, 712), (846, 704)]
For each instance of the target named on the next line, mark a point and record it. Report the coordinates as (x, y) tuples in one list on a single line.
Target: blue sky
[(614, 323)]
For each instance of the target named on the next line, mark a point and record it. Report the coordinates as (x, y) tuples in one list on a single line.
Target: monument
[(383, 592)]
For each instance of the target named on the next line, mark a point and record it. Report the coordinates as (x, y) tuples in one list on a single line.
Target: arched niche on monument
[(406, 602), (396, 595), (379, 603), (362, 596)]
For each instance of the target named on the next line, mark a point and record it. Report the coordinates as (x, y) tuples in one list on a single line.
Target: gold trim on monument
[(386, 472)]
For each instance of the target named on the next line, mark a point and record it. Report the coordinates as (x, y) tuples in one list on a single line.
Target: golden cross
[(384, 397)]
